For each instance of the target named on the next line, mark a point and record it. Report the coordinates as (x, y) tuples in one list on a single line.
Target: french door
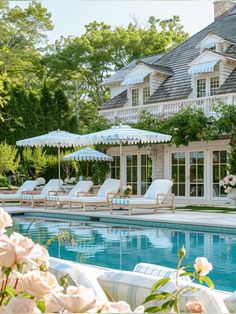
[(188, 173)]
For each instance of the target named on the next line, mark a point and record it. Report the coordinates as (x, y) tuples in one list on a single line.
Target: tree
[(34, 161), (21, 30), (9, 161), (48, 109), (80, 64)]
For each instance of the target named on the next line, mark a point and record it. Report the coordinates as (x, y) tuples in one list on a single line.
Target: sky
[(70, 16)]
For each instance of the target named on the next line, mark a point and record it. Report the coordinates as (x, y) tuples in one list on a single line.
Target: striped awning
[(203, 67), (209, 45), (136, 79)]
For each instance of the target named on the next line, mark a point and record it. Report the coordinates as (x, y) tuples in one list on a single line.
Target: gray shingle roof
[(178, 86), (120, 75), (229, 85), (117, 101)]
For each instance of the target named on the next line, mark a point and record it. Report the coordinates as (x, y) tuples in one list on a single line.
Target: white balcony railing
[(166, 109)]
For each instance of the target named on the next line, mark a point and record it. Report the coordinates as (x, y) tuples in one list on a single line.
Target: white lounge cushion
[(79, 274), (27, 186), (109, 186), (134, 201), (230, 302), (158, 187), (88, 199), (158, 270), (10, 196), (135, 287), (82, 187), (52, 185)]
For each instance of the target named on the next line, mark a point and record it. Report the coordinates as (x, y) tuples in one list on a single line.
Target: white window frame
[(208, 78), (138, 98)]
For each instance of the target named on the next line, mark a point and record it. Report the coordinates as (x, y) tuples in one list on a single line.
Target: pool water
[(122, 247)]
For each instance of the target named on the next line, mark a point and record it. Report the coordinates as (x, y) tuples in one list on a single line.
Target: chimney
[(221, 7)]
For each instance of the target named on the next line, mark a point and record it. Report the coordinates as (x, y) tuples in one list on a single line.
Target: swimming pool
[(122, 247)]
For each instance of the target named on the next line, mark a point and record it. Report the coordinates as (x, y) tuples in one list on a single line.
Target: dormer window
[(146, 94), (135, 97), (214, 85), (207, 86)]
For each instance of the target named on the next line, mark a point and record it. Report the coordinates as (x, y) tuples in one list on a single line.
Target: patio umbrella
[(52, 139), (122, 134), (88, 154)]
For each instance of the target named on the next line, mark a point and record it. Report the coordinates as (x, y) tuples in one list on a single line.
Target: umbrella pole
[(121, 168), (59, 165)]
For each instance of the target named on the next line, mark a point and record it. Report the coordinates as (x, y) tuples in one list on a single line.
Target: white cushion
[(10, 196), (109, 186), (230, 302), (52, 185), (88, 199), (160, 271), (81, 186), (158, 187), (28, 185), (135, 287), (79, 274)]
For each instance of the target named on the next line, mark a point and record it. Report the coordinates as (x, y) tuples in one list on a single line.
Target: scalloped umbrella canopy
[(52, 139), (88, 154), (122, 134)]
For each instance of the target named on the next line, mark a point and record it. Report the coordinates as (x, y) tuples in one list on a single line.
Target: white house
[(198, 72)]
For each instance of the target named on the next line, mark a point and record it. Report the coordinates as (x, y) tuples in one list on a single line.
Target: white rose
[(23, 247), (20, 304), (40, 255), (77, 300), (5, 220), (202, 266), (7, 252), (40, 284), (115, 307)]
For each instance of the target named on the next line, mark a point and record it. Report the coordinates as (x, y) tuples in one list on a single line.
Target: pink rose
[(5, 220), (195, 307), (40, 284), (7, 252), (20, 304), (202, 266), (77, 300)]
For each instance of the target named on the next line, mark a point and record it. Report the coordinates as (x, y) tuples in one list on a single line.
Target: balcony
[(166, 109)]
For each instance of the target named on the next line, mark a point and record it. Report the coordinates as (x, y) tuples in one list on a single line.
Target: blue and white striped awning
[(203, 67), (136, 79), (209, 45)]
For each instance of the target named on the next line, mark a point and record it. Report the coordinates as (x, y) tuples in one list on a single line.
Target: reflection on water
[(122, 247)]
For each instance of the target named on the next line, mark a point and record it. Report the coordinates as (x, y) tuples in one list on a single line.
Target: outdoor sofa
[(27, 186), (80, 189), (134, 286), (155, 197), (107, 191)]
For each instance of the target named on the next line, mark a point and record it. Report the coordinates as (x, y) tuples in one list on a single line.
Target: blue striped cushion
[(52, 198), (120, 201), (26, 196)]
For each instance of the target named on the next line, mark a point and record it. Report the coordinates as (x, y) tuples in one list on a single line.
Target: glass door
[(196, 174), (132, 172), (178, 169), (146, 173)]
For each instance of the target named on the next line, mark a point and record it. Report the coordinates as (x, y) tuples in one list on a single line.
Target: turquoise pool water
[(122, 247)]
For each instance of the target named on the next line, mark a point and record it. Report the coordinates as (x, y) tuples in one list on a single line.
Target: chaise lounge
[(80, 189), (107, 191), (51, 188), (27, 186), (155, 197)]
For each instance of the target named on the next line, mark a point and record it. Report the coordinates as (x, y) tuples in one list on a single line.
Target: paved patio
[(180, 216)]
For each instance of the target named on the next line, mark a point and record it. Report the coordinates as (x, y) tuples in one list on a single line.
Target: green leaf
[(63, 280), (160, 283), (160, 296), (168, 305), (187, 274), (41, 306), (208, 281), (153, 309), (11, 291)]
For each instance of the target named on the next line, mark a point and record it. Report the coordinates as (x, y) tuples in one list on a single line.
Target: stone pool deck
[(141, 217)]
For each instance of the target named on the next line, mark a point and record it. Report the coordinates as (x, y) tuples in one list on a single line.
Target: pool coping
[(99, 217)]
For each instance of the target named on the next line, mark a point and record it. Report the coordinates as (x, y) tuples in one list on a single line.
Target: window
[(201, 88), (146, 94), (146, 173), (135, 97), (219, 171), (115, 167), (214, 85)]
